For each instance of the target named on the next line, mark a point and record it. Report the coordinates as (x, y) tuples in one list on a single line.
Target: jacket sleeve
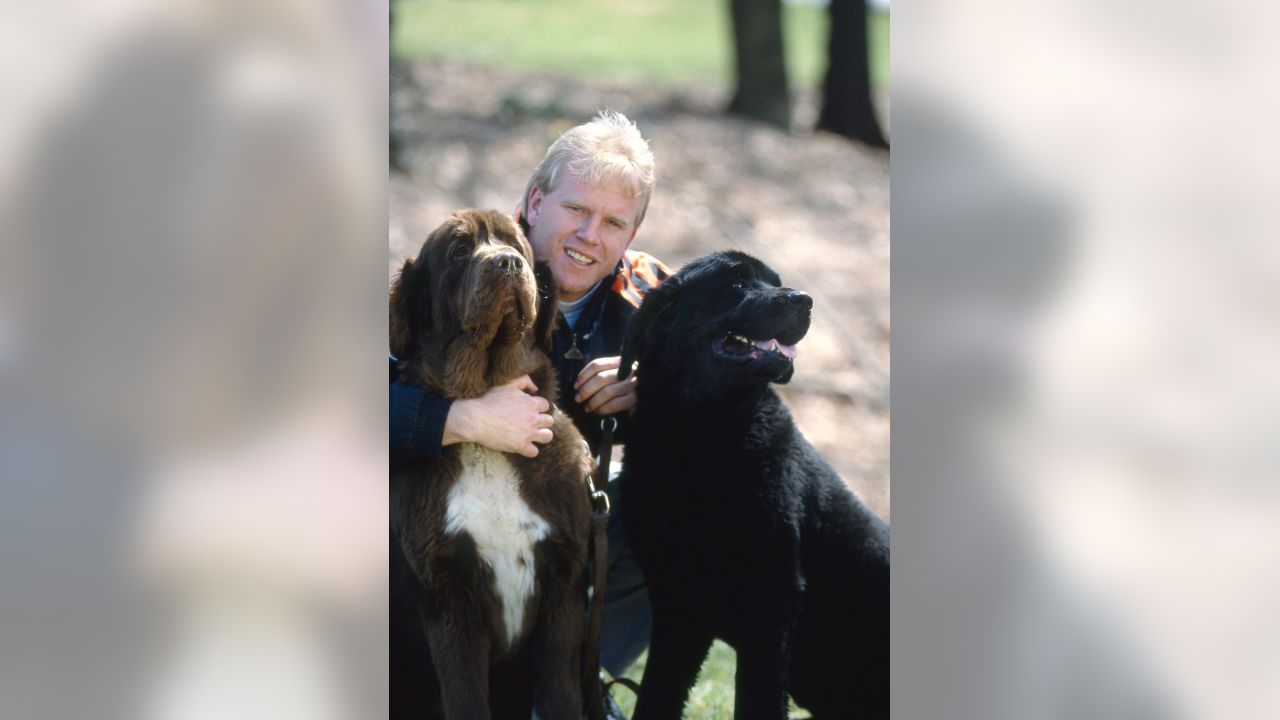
[(416, 425)]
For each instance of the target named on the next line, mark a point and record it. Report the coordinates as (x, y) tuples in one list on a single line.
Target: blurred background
[(1084, 305), (192, 360)]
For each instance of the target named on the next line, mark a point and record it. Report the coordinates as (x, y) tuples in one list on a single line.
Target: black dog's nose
[(507, 263), (796, 297)]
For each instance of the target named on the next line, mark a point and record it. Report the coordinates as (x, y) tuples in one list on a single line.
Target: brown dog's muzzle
[(501, 285)]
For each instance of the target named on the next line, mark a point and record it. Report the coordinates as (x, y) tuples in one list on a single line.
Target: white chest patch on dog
[(486, 503)]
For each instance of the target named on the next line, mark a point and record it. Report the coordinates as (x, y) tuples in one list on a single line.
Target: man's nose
[(589, 230)]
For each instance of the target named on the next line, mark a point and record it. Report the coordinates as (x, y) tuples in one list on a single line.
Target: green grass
[(712, 696), (665, 41)]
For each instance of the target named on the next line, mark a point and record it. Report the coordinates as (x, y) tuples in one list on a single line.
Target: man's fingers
[(595, 385), (525, 383), (542, 405), (617, 405), (541, 436), (594, 368), (607, 394), (545, 421)]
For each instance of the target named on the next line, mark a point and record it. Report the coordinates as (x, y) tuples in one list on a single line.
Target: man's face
[(581, 231)]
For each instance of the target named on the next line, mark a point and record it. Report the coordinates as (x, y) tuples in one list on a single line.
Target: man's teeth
[(578, 257)]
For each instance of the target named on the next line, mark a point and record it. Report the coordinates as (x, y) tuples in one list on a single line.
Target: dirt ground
[(813, 206)]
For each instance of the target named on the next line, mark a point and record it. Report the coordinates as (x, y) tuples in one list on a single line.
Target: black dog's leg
[(676, 652), (557, 644), (763, 672), (462, 667), (760, 683)]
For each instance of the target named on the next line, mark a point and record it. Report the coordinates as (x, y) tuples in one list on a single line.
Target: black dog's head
[(723, 322), (476, 275)]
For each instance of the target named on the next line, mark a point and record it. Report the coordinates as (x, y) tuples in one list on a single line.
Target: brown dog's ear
[(404, 314), (548, 306), (647, 323)]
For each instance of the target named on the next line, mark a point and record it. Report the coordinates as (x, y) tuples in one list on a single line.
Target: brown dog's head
[(474, 277)]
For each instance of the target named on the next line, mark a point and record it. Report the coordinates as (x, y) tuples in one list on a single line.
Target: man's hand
[(507, 418), (599, 390)]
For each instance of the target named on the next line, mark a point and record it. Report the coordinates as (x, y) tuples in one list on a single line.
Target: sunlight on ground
[(712, 696)]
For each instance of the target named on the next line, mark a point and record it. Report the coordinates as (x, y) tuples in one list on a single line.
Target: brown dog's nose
[(506, 263), (796, 297)]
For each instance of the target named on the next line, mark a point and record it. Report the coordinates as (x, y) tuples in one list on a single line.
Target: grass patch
[(712, 696), (666, 41)]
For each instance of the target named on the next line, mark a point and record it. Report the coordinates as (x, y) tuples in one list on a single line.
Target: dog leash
[(600, 550)]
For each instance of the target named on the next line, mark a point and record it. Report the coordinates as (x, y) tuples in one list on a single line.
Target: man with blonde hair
[(581, 210)]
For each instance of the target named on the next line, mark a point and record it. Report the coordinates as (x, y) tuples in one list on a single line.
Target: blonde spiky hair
[(608, 149)]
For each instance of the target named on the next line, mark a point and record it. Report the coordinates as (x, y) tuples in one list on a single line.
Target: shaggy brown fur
[(469, 313)]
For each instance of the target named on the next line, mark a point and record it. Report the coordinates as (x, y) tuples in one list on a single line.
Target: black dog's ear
[(646, 322), (404, 314), (548, 306)]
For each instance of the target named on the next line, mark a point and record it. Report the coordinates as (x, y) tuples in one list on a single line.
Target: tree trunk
[(847, 108), (761, 92), (395, 144)]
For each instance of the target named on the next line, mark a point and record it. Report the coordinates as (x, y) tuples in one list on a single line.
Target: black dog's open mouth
[(735, 346)]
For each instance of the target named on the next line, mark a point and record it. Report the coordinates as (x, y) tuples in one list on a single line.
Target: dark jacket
[(417, 418)]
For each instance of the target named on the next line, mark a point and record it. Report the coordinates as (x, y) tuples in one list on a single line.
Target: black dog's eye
[(459, 253), (738, 284)]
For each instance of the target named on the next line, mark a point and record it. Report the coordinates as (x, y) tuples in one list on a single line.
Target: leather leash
[(599, 549)]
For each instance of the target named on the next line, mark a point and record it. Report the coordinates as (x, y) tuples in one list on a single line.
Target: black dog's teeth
[(737, 344)]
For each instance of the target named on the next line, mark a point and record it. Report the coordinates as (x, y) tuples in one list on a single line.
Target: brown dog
[(488, 549)]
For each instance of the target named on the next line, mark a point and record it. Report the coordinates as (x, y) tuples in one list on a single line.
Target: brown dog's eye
[(459, 253)]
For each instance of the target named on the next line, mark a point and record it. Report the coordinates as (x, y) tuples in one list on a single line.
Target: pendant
[(573, 353)]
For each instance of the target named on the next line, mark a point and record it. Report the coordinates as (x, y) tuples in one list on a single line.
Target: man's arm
[(507, 418), (417, 422)]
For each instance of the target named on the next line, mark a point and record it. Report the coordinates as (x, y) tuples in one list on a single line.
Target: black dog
[(742, 531)]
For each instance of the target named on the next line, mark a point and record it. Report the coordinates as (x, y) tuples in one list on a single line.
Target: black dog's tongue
[(772, 345)]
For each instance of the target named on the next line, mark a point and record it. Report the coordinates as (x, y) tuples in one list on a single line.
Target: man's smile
[(579, 258)]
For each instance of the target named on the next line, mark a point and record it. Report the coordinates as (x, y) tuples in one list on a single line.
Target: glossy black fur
[(743, 532)]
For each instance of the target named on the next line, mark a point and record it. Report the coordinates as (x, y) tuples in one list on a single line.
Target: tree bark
[(847, 107), (761, 92)]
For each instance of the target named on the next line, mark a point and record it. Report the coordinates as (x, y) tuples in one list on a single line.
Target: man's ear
[(404, 314), (548, 305), (533, 204), (646, 325)]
